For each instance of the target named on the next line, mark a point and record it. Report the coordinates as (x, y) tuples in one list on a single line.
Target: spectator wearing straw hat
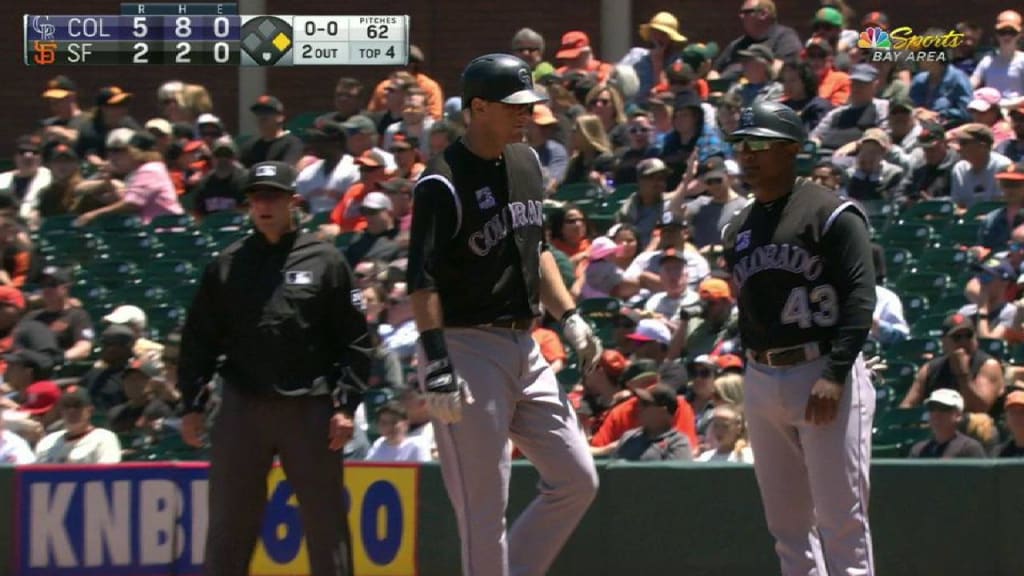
[(666, 44)]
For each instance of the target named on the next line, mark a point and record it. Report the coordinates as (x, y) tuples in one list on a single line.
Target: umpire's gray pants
[(516, 396), (247, 433)]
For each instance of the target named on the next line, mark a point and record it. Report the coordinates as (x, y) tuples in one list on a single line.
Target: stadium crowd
[(106, 223)]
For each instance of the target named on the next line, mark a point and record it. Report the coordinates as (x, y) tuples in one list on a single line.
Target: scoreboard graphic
[(207, 34)]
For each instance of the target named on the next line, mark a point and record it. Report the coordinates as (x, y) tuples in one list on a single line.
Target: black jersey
[(803, 268), (477, 233)]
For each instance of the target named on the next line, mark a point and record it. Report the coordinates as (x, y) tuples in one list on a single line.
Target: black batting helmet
[(499, 78), (770, 120)]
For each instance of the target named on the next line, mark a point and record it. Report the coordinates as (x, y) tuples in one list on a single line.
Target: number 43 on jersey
[(819, 308)]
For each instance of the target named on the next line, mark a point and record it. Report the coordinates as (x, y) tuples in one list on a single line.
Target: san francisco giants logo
[(45, 53)]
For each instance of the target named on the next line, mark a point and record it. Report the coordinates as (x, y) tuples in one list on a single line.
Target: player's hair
[(729, 388), (528, 36), (594, 136), (616, 98), (393, 407)]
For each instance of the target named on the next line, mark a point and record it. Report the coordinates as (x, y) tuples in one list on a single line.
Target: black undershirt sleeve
[(434, 222), (847, 249)]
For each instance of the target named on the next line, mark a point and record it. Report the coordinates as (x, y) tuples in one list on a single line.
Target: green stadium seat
[(871, 348), (912, 236), (994, 346), (929, 284), (944, 259), (169, 268), (980, 209), (914, 349), (578, 191), (899, 375), (224, 220), (343, 240), (59, 222), (929, 325), (914, 307), (904, 418), (961, 234), (171, 223), (603, 314), (115, 274), (184, 246), (949, 303), (879, 224), (139, 295), (300, 123), (568, 378), (111, 222), (164, 319), (939, 210), (622, 192), (897, 260)]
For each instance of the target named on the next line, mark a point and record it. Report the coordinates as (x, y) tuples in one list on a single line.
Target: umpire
[(802, 260), (281, 308)]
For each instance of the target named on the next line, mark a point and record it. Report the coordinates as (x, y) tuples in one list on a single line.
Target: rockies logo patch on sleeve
[(357, 300), (299, 277)]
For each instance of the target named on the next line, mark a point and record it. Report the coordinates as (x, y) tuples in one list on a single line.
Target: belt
[(511, 323), (779, 357)]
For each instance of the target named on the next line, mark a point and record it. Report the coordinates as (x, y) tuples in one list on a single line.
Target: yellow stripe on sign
[(382, 522)]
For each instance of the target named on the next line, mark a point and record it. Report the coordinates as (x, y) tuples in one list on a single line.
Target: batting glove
[(445, 391), (579, 333)]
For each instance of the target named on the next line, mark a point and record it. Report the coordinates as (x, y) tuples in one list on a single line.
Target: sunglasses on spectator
[(1016, 246), (755, 144), (639, 130), (712, 181)]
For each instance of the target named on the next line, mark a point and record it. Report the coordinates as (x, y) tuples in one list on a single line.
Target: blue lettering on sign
[(382, 494), (284, 548)]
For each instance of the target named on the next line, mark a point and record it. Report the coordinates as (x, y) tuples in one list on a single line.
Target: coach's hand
[(823, 405), (445, 391), (193, 425), (340, 431), (579, 333)]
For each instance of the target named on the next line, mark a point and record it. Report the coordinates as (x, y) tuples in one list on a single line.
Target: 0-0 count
[(331, 28)]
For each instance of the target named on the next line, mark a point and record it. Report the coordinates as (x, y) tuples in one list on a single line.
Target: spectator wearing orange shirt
[(435, 96), (626, 415), (550, 347), (833, 85), (372, 172), (575, 53)]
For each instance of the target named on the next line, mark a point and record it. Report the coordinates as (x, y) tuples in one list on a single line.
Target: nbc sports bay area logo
[(902, 45)]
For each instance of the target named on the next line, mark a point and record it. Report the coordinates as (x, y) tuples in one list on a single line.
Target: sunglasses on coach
[(755, 144)]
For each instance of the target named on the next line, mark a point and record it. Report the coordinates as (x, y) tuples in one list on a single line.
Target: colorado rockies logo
[(747, 118), (524, 77)]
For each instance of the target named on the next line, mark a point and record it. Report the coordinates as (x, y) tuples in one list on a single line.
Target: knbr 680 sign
[(381, 503), (153, 519)]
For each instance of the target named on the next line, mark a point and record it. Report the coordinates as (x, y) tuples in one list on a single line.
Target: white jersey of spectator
[(697, 267), (401, 339), (322, 190), (98, 446), (889, 311), (409, 450), (969, 187), (744, 455), (14, 449), (1004, 75), (662, 303), (30, 202)]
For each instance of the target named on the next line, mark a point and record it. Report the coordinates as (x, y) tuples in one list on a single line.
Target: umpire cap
[(279, 175), (499, 78), (770, 120)]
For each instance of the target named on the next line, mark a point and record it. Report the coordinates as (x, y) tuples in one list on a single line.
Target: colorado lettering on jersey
[(512, 217), (778, 257)]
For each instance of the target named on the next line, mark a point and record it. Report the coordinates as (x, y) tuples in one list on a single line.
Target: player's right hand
[(445, 391), (193, 425)]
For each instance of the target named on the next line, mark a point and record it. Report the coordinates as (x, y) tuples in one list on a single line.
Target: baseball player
[(478, 271), (283, 309), (801, 259)]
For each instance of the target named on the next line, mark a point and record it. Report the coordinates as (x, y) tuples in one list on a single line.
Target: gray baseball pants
[(516, 396), (813, 478)]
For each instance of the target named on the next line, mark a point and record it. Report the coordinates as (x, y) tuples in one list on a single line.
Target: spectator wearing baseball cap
[(407, 152), (961, 367), (380, 240), (602, 277), (540, 134), (602, 390), (757, 84), (67, 117), (25, 182), (656, 439), (715, 322), (323, 182), (273, 143), (993, 314), (700, 393), (997, 225), (710, 212), (80, 442), (675, 295), (399, 191), (222, 188), (104, 381), (576, 54), (651, 339), (671, 233), (945, 413), (644, 207), (1013, 407), (872, 177), (346, 215), (135, 318), (414, 122), (639, 146), (930, 173), (140, 396), (1003, 68), (149, 190), (70, 324), (974, 177), (111, 113), (985, 109), (362, 136)]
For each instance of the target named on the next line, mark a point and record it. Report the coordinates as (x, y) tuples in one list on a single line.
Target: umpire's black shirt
[(286, 317)]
